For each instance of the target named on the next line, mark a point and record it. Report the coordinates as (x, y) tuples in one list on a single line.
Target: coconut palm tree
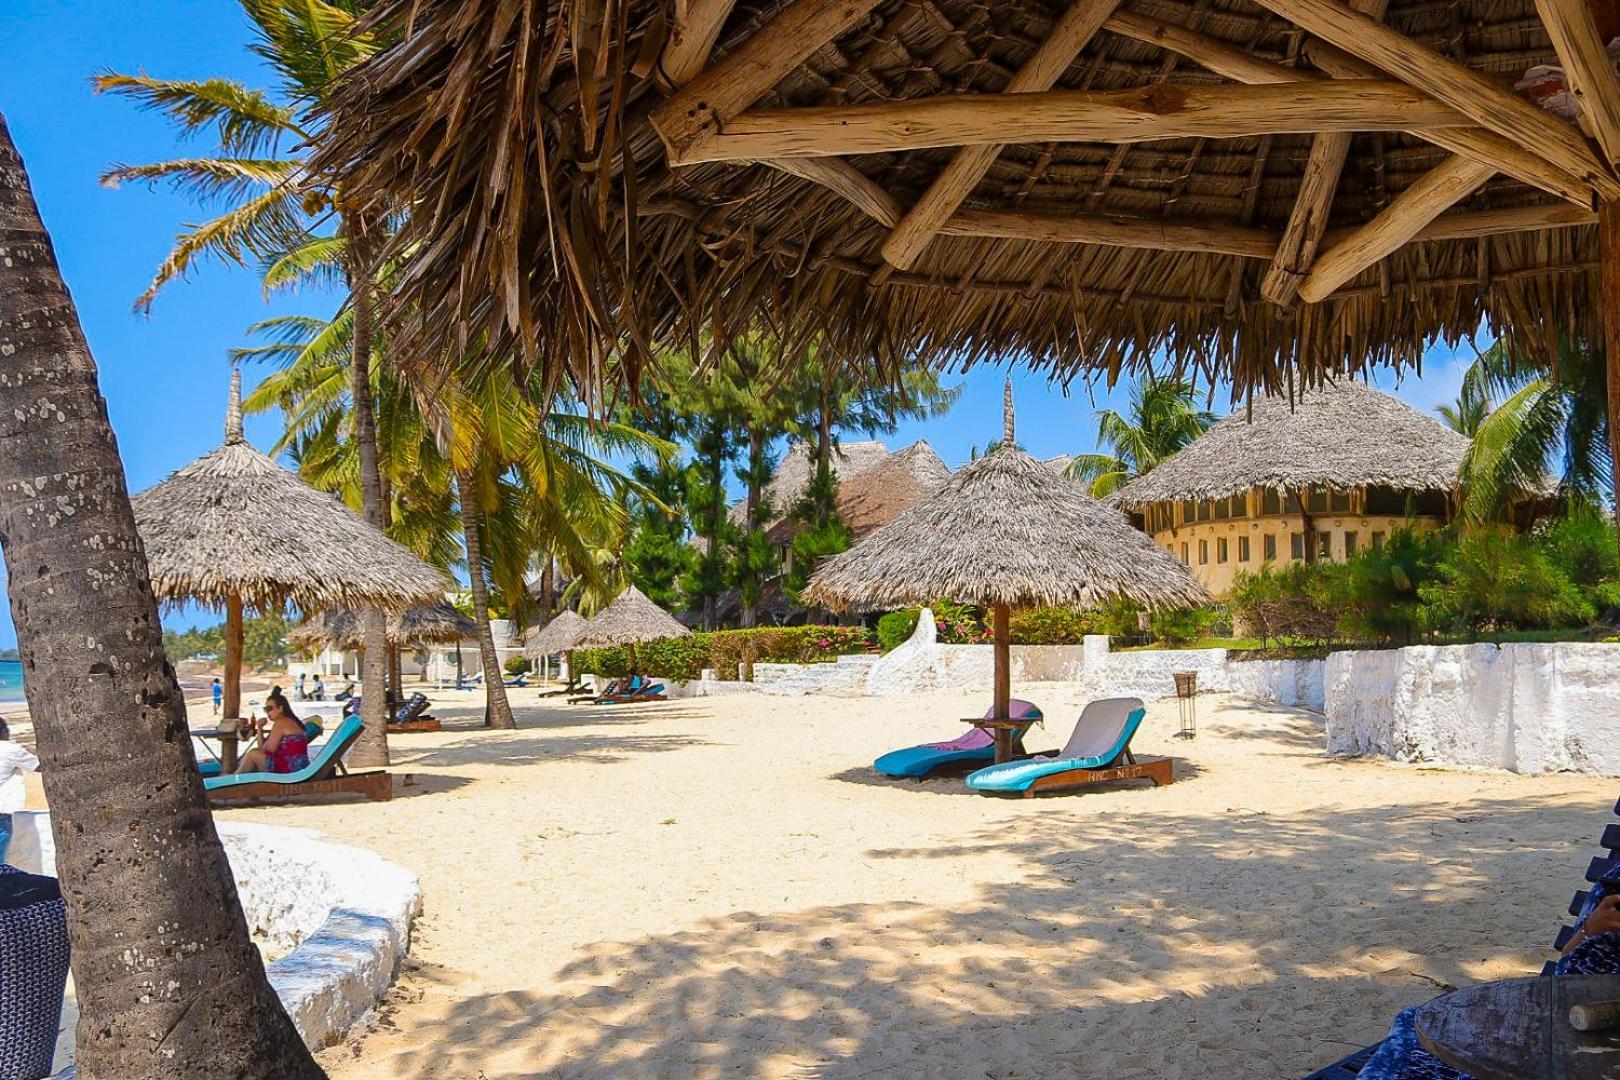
[(1544, 421), (1163, 418), (1468, 412), (273, 206), (127, 806)]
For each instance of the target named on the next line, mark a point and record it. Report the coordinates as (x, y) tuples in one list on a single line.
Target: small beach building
[(1334, 471)]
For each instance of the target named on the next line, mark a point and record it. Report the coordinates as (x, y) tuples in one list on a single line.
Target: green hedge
[(684, 659)]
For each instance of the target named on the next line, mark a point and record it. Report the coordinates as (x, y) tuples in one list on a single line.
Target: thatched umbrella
[(1006, 530), (1338, 436), (339, 628), (558, 636), (630, 620), (235, 530)]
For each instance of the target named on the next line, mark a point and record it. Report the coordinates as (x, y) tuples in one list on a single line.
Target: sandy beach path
[(720, 887)]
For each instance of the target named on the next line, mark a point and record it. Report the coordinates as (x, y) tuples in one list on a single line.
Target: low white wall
[(344, 912), (1528, 708)]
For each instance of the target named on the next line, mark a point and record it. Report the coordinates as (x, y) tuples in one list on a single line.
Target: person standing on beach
[(14, 762), (219, 695)]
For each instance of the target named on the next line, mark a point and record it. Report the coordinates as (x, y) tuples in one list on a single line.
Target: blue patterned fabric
[(33, 975), (1401, 1057)]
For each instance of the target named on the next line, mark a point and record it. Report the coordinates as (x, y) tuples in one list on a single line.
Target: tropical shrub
[(517, 665), (684, 658), (1053, 625), (959, 624), (1378, 595), (894, 628), (1281, 604), (1178, 626), (1500, 581)]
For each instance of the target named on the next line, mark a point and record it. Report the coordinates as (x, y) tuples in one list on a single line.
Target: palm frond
[(246, 121)]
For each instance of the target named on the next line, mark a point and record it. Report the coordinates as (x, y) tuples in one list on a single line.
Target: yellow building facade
[(1218, 538)]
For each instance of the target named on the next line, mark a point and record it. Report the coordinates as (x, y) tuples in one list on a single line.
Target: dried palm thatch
[(1006, 530), (339, 628), (856, 169), (629, 620), (1338, 436), (559, 635), (233, 526)]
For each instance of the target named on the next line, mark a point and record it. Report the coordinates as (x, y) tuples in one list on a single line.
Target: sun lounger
[(609, 690), (638, 689), (324, 775), (1603, 873), (521, 679), (412, 716), (1098, 751), (976, 746)]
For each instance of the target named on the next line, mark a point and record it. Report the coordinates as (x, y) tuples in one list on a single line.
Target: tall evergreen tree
[(657, 556)]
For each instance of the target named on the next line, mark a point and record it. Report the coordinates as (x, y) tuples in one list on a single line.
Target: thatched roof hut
[(559, 635), (339, 628), (629, 620), (235, 530), (1339, 436), (1273, 190)]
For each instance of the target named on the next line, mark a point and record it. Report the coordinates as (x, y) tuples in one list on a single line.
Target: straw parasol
[(439, 623), (628, 621), (561, 634), (235, 530), (1341, 435), (1006, 530)]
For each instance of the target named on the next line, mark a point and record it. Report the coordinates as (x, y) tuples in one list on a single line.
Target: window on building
[(1189, 511), (1268, 548), (1240, 506), (1296, 546), (1203, 552), (1204, 510), (1352, 540), (1223, 509), (1378, 541), (1270, 502), (1184, 553), (1316, 501), (1243, 549), (1220, 550), (1339, 502), (1324, 545)]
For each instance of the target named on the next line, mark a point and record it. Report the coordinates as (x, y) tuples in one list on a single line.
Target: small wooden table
[(228, 739), (1007, 732), (1520, 1027)]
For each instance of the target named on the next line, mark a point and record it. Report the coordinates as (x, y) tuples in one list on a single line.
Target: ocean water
[(11, 683)]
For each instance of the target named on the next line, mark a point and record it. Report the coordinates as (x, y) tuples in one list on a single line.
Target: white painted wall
[(1528, 708)]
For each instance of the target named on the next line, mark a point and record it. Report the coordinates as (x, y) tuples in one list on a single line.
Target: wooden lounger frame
[(377, 786), (420, 724), (1161, 770)]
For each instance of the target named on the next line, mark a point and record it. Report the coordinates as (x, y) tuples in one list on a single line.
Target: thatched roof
[(339, 628), (796, 469), (629, 620), (873, 495), (857, 169), (1341, 436), (558, 635), (235, 522), (1006, 529)]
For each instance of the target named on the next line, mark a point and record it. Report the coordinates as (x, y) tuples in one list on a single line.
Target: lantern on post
[(1187, 699)]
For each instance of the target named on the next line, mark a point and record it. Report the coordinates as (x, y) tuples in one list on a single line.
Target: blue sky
[(165, 375)]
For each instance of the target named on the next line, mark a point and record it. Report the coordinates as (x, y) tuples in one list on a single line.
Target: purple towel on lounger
[(975, 739)]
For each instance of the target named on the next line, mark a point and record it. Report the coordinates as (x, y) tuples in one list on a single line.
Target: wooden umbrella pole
[(1004, 735), (231, 693), (635, 663), (1609, 301)]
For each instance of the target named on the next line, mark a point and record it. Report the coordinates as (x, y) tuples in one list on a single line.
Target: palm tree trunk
[(169, 984), (497, 711), (548, 593), (749, 616), (371, 748)]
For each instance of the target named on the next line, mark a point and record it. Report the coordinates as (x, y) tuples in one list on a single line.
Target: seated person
[(318, 692), (347, 692), (1594, 949), (285, 745)]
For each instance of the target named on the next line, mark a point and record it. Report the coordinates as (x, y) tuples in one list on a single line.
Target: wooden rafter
[(694, 113), (692, 34), (1147, 234), (840, 176), (1120, 116), (958, 179), (1497, 222), (1587, 66), (1465, 90), (1403, 219), (1243, 66), (1308, 219)]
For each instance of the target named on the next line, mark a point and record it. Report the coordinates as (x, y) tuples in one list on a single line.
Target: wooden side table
[(1007, 733)]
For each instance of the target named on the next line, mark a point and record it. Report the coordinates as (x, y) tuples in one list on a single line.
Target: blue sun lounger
[(324, 775), (1099, 749), (975, 746)]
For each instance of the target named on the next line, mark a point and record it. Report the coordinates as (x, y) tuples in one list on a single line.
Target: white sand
[(722, 887)]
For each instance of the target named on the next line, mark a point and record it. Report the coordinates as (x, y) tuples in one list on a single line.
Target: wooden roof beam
[(696, 112), (1313, 204), (1118, 116), (958, 179), (1147, 234), (1472, 224), (1236, 64), (1587, 66), (1483, 146), (1465, 90), (1429, 197), (692, 36)]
